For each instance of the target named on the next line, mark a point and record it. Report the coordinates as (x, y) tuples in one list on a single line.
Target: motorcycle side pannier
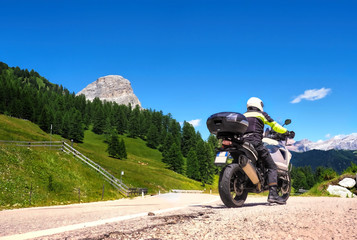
[(227, 123)]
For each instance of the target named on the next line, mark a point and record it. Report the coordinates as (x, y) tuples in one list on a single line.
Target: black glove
[(291, 134)]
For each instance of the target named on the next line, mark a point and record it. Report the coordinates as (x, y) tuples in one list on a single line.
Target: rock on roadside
[(347, 183), (340, 191)]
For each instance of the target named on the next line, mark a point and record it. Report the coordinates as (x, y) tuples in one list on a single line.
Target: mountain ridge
[(339, 142)]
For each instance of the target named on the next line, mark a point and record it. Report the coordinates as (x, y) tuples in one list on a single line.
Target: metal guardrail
[(119, 185), (65, 147), (138, 191), (55, 145)]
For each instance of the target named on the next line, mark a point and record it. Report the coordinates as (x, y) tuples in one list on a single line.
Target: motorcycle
[(242, 171)]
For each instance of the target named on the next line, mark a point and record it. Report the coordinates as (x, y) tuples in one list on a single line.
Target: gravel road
[(301, 218)]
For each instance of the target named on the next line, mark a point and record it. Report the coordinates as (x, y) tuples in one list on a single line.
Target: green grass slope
[(48, 177), (40, 176), (143, 167), (14, 129)]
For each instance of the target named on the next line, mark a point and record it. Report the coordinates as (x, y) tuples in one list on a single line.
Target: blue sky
[(196, 58)]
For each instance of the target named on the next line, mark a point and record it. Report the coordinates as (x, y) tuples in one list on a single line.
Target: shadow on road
[(222, 206)]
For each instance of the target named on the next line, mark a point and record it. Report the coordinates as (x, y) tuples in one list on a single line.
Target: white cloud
[(328, 135), (195, 122), (312, 95)]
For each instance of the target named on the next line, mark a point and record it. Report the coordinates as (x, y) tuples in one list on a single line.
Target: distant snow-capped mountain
[(339, 142)]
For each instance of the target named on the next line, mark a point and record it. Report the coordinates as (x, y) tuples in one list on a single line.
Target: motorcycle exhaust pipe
[(249, 170)]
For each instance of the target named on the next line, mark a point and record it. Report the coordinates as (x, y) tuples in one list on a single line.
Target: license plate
[(221, 158)]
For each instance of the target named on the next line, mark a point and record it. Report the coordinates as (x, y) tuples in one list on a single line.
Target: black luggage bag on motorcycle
[(227, 124)]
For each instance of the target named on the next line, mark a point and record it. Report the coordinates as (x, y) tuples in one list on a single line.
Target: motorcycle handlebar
[(280, 136), (291, 134)]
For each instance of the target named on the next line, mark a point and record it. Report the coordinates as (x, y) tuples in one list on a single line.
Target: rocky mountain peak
[(111, 88), (339, 142)]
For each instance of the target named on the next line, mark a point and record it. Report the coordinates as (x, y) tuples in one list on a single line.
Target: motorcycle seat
[(250, 150)]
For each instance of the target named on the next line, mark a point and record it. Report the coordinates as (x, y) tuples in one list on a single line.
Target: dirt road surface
[(186, 216)]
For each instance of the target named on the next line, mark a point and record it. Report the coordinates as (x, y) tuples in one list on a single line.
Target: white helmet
[(255, 102)]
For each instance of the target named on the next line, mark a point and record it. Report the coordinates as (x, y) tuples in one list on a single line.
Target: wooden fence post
[(79, 195), (103, 192), (30, 193)]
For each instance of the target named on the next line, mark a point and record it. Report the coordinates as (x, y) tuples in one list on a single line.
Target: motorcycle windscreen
[(221, 158)]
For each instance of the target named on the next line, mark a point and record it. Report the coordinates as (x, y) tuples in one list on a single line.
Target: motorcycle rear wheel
[(231, 187)]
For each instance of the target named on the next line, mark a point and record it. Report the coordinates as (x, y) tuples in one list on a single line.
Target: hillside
[(142, 168), (26, 95), (56, 177), (338, 160)]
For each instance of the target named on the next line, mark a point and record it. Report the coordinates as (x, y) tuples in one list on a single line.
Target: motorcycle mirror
[(287, 122)]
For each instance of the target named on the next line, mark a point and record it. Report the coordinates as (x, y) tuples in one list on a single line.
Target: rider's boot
[(274, 197)]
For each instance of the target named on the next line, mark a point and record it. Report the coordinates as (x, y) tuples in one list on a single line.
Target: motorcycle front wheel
[(284, 186), (231, 187)]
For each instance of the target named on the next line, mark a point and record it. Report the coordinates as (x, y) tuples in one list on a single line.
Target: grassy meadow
[(41, 177)]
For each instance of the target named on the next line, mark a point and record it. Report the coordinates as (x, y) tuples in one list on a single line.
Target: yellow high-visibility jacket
[(257, 119)]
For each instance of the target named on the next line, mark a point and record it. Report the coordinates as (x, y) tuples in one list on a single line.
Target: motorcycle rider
[(257, 118)]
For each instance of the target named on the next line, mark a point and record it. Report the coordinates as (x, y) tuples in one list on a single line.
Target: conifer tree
[(193, 170), (76, 131), (121, 121), (134, 123), (157, 120), (310, 179), (27, 105), (299, 179), (211, 168), (188, 139), (200, 152), (122, 152), (108, 130), (205, 159), (174, 159), (114, 146), (213, 141), (165, 127), (99, 120), (66, 125), (153, 137), (175, 130), (16, 108), (57, 123), (145, 123), (45, 119), (86, 120), (169, 140)]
